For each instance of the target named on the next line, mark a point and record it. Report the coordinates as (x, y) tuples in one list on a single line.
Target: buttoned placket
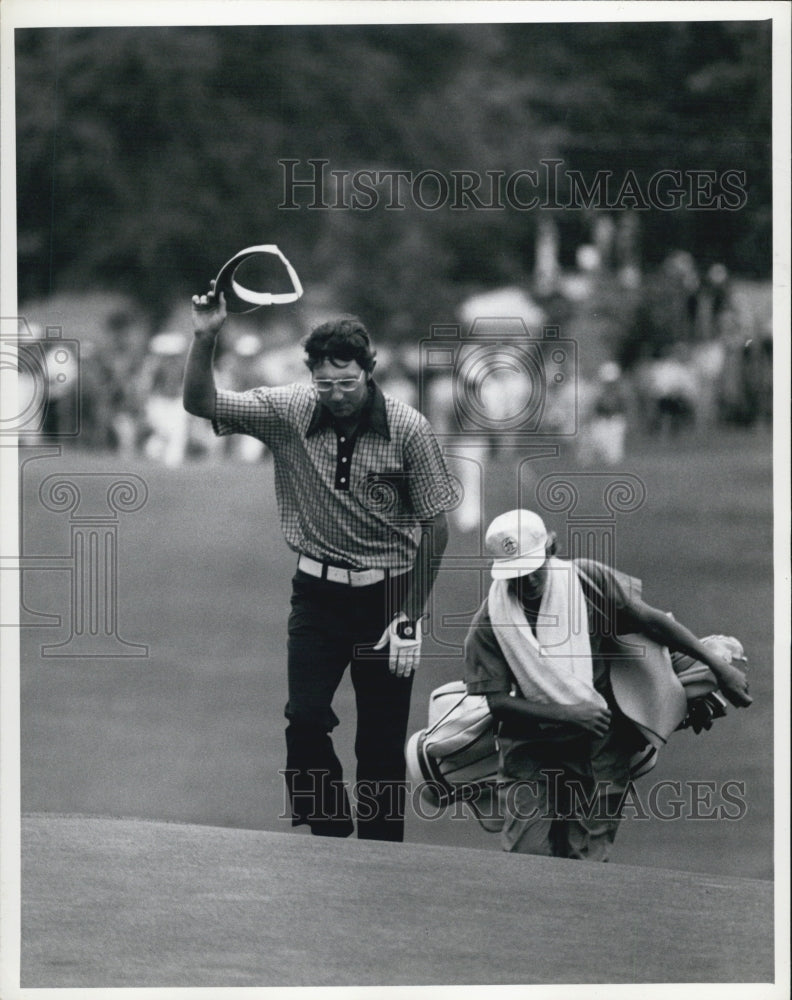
[(346, 445)]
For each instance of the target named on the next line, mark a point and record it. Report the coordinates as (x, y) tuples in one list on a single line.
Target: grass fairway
[(193, 732), (117, 903)]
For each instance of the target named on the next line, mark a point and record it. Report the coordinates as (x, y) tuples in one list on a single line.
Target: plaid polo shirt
[(352, 503)]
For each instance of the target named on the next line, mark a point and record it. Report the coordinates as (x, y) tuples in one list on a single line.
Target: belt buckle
[(353, 577)]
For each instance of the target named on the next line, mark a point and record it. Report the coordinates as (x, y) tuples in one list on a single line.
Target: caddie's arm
[(589, 715), (208, 316), (667, 631)]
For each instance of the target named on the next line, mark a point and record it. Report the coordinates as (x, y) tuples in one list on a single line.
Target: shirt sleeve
[(251, 412), (485, 668), (432, 489)]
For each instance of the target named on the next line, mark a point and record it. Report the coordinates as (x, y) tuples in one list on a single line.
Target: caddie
[(362, 490), (543, 648)]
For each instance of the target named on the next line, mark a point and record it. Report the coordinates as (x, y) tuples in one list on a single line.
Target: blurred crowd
[(697, 353), (718, 365), (122, 391)]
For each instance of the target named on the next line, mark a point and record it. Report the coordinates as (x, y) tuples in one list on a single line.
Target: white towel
[(554, 666)]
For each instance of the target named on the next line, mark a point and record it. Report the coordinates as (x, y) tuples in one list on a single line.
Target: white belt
[(351, 577)]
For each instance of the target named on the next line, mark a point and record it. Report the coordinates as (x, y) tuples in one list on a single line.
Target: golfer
[(362, 490), (542, 648)]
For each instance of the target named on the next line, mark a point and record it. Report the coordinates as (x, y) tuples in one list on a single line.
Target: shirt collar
[(374, 416)]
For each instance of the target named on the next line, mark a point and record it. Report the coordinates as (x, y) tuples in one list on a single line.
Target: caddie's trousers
[(333, 625), (566, 804)]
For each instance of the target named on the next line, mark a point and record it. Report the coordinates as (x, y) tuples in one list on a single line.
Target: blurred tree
[(112, 159), (645, 97), (147, 156)]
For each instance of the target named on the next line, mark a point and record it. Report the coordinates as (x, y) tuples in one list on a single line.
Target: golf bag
[(455, 759)]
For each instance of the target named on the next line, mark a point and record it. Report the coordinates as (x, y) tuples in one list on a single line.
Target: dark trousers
[(331, 626), (566, 800)]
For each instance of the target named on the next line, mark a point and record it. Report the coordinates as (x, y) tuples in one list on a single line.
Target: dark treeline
[(147, 156)]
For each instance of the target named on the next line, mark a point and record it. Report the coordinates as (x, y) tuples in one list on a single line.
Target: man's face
[(342, 387), (532, 586)]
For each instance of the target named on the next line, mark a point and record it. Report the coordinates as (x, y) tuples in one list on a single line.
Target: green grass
[(194, 732)]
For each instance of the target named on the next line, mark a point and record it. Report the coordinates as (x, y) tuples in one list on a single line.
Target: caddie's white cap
[(516, 543)]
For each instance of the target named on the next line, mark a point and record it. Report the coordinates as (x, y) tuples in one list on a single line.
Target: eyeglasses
[(325, 385)]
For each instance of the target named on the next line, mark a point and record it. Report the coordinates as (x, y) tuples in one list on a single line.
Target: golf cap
[(240, 299), (516, 543)]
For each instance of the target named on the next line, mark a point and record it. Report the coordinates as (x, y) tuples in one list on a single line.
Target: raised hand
[(208, 312)]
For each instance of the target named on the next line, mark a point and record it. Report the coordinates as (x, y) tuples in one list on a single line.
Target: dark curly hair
[(342, 339)]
